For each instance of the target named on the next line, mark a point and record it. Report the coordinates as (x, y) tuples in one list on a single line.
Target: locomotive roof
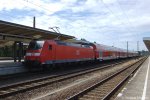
[(74, 40)]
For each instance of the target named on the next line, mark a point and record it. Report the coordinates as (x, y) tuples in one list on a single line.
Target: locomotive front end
[(33, 53)]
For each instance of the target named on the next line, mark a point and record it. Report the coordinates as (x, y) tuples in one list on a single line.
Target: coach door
[(101, 54)]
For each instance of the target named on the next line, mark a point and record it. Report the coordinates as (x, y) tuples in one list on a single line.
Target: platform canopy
[(10, 32), (147, 42)]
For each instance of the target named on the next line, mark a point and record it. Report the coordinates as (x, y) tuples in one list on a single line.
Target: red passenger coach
[(51, 52), (104, 52)]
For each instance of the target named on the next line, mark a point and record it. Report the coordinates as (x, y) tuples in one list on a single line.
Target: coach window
[(50, 47)]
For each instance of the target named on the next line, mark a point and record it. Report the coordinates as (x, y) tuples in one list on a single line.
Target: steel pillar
[(18, 51), (15, 54)]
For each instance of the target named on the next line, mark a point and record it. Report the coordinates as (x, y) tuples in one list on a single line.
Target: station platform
[(138, 87), (10, 67), (10, 63), (6, 58)]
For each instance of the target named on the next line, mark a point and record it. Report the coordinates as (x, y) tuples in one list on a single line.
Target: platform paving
[(10, 63), (138, 87), (10, 67), (6, 58)]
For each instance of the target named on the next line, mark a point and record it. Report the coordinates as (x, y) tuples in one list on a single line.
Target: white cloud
[(105, 21), (108, 1), (10, 4)]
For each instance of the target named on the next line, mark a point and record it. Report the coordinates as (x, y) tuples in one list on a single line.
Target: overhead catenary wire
[(122, 23), (40, 6), (43, 13), (126, 15), (37, 5), (16, 17), (49, 10), (128, 19)]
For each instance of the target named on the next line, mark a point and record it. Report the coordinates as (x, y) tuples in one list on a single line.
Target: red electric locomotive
[(52, 51)]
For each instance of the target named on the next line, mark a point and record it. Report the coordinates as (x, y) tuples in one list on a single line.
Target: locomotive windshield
[(35, 45)]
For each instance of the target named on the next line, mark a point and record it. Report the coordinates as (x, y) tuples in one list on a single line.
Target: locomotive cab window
[(50, 47), (35, 45)]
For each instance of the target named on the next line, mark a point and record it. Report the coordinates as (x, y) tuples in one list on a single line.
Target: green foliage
[(6, 51)]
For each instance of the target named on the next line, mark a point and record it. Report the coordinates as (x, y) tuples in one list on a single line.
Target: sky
[(108, 22)]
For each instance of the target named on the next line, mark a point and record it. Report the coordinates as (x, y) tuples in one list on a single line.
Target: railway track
[(32, 72), (106, 88), (11, 89)]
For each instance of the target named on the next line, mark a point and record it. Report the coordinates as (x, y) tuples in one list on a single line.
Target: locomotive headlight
[(32, 54), (28, 54), (36, 54)]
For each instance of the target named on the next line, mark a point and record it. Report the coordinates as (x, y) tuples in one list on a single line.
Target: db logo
[(77, 52)]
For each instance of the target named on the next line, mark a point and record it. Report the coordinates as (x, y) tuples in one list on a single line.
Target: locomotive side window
[(50, 47)]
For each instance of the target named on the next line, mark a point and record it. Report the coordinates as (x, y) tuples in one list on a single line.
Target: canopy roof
[(10, 32), (147, 42)]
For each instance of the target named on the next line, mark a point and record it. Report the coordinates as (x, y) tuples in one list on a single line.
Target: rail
[(106, 95)]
